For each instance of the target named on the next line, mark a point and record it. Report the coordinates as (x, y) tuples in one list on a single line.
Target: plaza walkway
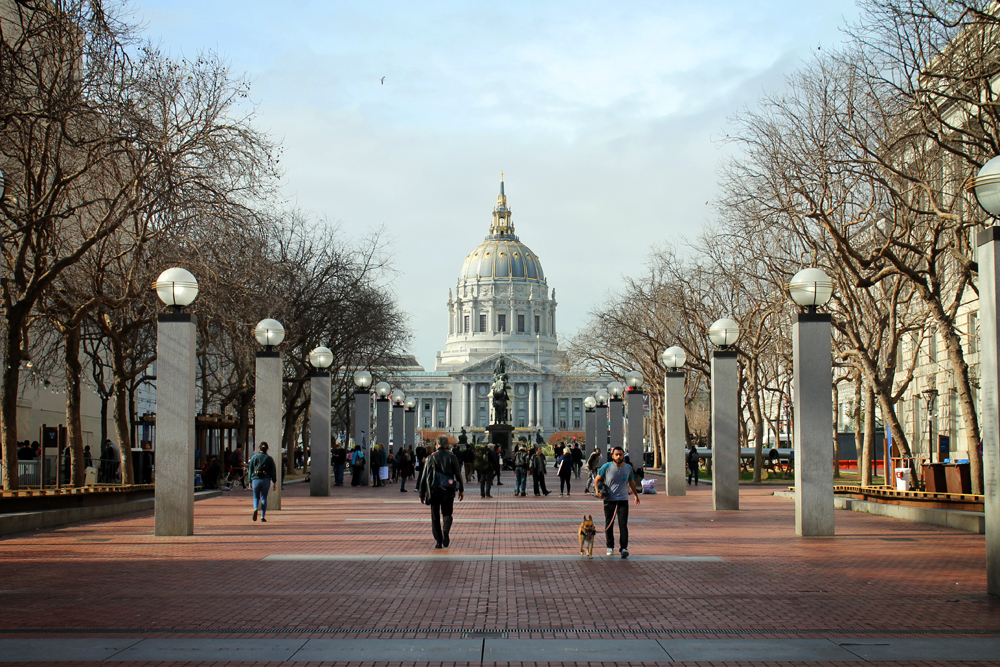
[(354, 578)]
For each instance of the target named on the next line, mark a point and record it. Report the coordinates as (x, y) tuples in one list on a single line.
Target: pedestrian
[(25, 452), (357, 466), (88, 460), (146, 457), (593, 463), (404, 467), (577, 459), (468, 456), (497, 461), (262, 475), (484, 471), (538, 471), (612, 485), (564, 468), (521, 461), (441, 476), (693, 463), (339, 461), (236, 462)]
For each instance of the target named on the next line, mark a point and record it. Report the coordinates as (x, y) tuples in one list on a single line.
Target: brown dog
[(587, 533)]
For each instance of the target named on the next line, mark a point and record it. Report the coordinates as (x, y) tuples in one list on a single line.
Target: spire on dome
[(502, 224)]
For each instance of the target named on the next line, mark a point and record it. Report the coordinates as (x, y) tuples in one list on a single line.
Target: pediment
[(514, 367)]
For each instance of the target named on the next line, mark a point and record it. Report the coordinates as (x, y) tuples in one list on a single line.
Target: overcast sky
[(604, 117)]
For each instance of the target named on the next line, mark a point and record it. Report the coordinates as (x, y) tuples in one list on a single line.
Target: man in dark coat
[(441, 467)]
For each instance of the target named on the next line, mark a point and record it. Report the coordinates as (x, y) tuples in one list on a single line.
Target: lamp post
[(175, 409), (397, 396), (634, 406), (319, 422), (410, 423), (363, 413), (675, 458), (616, 414), (589, 420), (267, 397), (382, 391), (812, 374), (930, 396), (725, 416), (601, 421)]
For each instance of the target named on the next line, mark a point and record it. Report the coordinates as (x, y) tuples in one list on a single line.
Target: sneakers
[(624, 553), (263, 520), (611, 552), (255, 515)]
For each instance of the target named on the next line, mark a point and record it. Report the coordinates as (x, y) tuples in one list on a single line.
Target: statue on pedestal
[(499, 394)]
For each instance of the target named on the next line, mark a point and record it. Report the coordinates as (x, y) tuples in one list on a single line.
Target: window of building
[(427, 406), (501, 322), (520, 324), (482, 322), (538, 321), (466, 329), (932, 346)]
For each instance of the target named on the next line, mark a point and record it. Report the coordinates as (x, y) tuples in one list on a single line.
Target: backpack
[(521, 459), (258, 468), (441, 481), (482, 463)]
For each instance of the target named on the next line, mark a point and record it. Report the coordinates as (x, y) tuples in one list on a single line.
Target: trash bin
[(934, 478), (90, 476), (903, 477), (958, 478)]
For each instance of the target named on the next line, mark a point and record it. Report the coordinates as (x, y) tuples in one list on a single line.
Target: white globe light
[(810, 287), (674, 357), (633, 379), (411, 403), (176, 287), (398, 395), (269, 332), (724, 332), (616, 389), (321, 357), (590, 403), (383, 389), (363, 379), (601, 396), (986, 186)]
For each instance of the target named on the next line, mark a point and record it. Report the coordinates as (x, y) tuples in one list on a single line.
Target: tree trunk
[(966, 405), (120, 391), (858, 435), (74, 425), (758, 435), (104, 420), (836, 435), (869, 446), (8, 400)]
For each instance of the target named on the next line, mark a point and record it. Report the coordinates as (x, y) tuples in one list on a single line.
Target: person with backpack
[(484, 470), (693, 463), (440, 479), (538, 471), (357, 466), (521, 461), (262, 475)]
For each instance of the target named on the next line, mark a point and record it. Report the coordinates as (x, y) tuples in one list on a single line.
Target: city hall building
[(501, 305)]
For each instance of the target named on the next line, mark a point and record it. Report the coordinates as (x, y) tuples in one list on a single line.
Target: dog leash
[(608, 527)]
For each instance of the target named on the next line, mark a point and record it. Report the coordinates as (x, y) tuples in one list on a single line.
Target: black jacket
[(440, 461)]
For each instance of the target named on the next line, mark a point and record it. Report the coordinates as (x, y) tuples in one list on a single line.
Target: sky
[(607, 120)]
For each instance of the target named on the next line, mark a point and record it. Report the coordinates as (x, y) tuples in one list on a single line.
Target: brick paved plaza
[(354, 577)]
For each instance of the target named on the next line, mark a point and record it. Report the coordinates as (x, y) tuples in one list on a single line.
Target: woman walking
[(405, 469), (565, 470), (262, 475)]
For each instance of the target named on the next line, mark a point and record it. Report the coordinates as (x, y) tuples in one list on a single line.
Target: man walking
[(613, 482), (442, 474), (339, 458), (692, 461), (538, 471), (593, 464), (521, 461)]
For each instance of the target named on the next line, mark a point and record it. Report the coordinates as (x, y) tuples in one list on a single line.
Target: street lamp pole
[(589, 421), (382, 401), (319, 422), (616, 414), (267, 398), (634, 407), (675, 457), (601, 421), (725, 416), (362, 412)]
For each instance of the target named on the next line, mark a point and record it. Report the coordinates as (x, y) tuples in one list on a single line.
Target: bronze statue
[(499, 393)]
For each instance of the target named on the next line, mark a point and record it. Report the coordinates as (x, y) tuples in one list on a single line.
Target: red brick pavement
[(878, 575)]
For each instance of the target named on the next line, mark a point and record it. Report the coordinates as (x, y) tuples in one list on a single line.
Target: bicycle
[(234, 477)]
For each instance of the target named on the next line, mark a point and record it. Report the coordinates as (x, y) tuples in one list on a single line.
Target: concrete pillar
[(409, 427), (674, 434), (319, 434), (725, 432), (601, 423), (267, 414), (616, 422), (989, 363), (397, 425), (589, 429), (381, 432), (175, 414), (362, 418), (812, 359), (447, 413), (531, 405), (636, 422)]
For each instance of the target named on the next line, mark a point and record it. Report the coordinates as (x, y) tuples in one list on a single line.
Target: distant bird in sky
[(383, 80)]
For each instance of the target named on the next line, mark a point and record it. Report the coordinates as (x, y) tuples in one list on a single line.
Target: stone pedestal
[(636, 424), (500, 434), (616, 422), (725, 431), (175, 414), (409, 428), (397, 427), (381, 433), (267, 414), (319, 434), (812, 394), (601, 432), (989, 363), (589, 429), (674, 434)]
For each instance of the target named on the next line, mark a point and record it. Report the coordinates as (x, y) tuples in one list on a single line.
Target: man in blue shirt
[(618, 478)]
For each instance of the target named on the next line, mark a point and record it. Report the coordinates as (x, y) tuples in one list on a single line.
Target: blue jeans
[(338, 474), (260, 489), (520, 480)]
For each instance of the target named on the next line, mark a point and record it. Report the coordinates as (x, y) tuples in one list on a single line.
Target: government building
[(501, 306)]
